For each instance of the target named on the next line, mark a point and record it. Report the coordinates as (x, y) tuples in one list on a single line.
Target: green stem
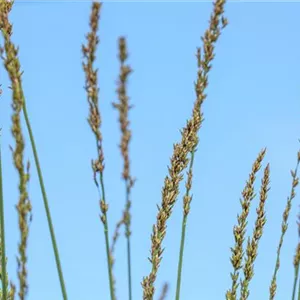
[(182, 242), (298, 283), (129, 267), (109, 265), (43, 190), (3, 255), (128, 234), (295, 281), (183, 230)]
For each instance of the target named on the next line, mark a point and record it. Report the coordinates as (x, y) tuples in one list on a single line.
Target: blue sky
[(253, 102)]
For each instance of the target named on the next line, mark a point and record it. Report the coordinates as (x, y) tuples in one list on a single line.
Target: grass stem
[(106, 234), (129, 268), (47, 209), (295, 282), (183, 227), (298, 283), (3, 255)]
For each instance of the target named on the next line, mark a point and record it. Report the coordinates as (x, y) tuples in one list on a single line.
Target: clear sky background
[(253, 102)]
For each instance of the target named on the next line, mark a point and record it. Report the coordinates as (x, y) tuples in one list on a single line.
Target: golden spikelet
[(252, 244), (239, 230), (12, 292)]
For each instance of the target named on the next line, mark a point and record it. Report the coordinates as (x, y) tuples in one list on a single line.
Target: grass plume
[(123, 107), (252, 244), (12, 65), (239, 230), (189, 140), (89, 52)]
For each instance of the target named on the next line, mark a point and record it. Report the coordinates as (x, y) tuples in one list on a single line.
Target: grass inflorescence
[(94, 120), (123, 107), (9, 55)]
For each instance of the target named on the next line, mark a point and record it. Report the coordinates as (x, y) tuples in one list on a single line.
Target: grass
[(245, 250)]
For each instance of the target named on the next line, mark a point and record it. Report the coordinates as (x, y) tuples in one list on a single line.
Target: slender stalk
[(46, 205), (3, 255), (296, 279), (129, 268), (104, 208), (127, 221), (296, 263), (187, 200), (295, 282)]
